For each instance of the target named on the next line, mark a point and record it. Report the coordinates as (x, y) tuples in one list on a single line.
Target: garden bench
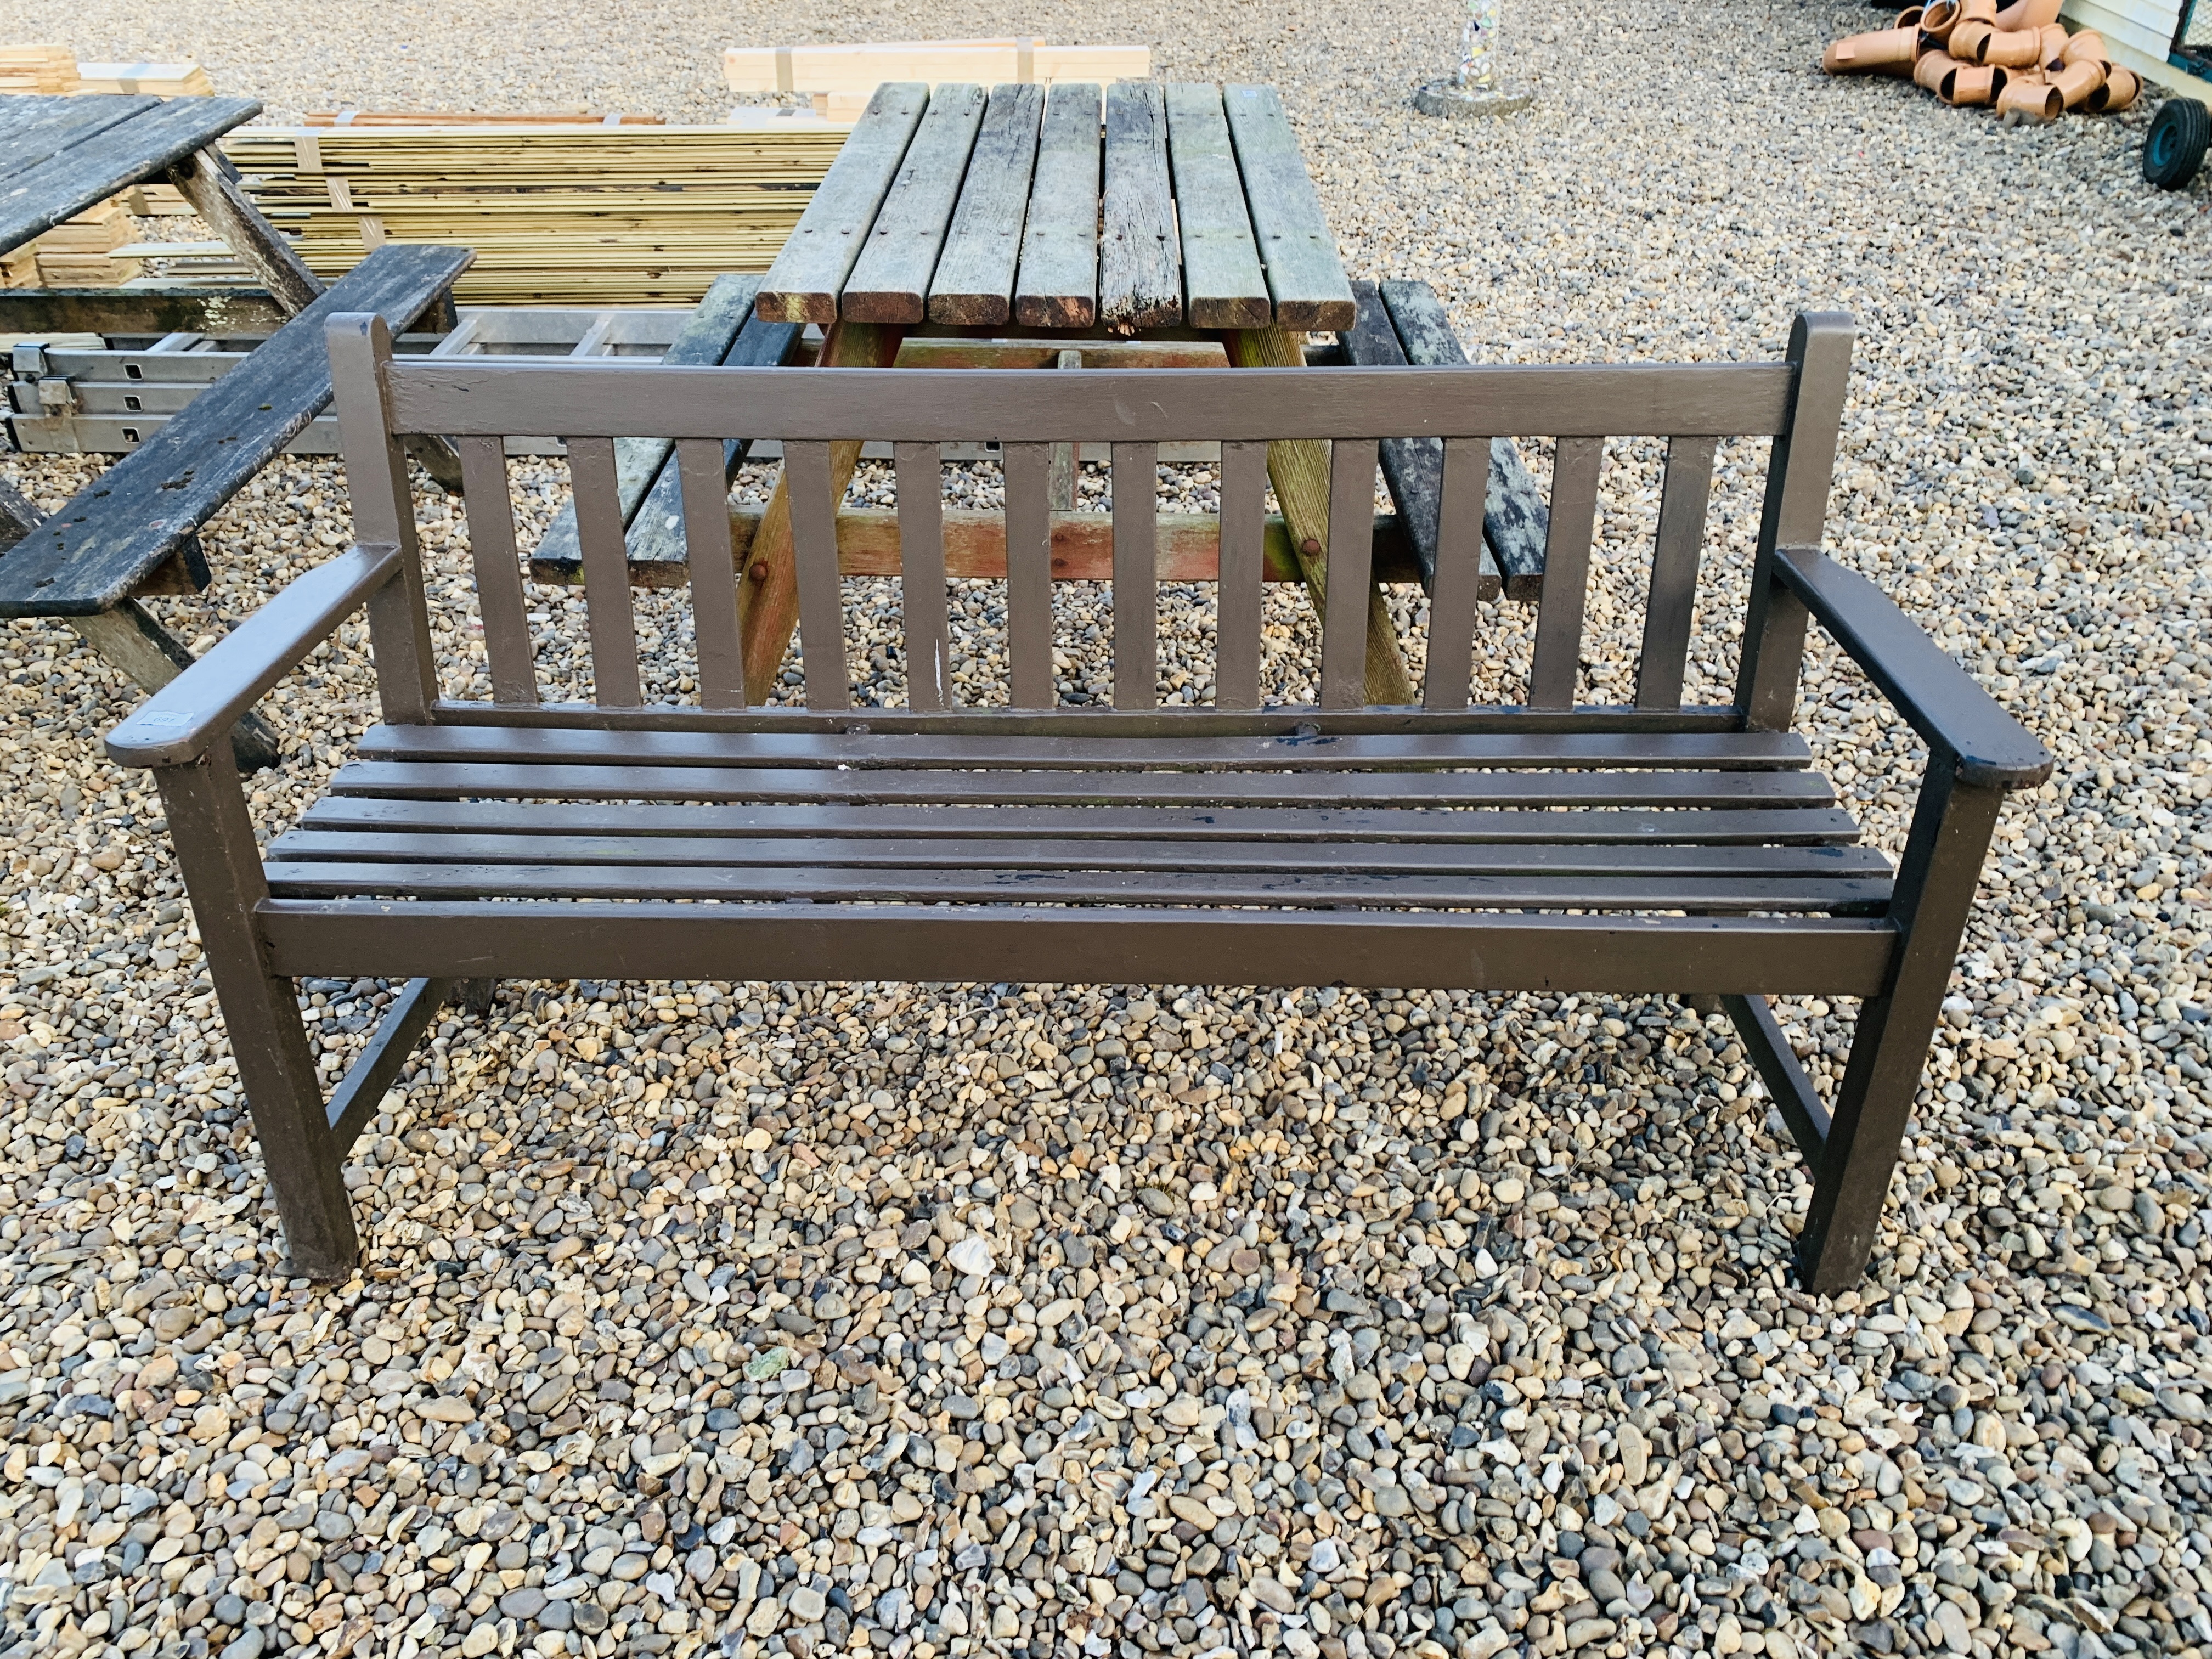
[(1546, 846)]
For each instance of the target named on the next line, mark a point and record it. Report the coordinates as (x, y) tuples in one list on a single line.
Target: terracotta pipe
[(1909, 18), (2087, 47), (1938, 18), (2013, 48), (2033, 100), (1970, 39), (1971, 85), (1933, 70), (1979, 11), (2121, 86), (2028, 15), (2054, 38), (1889, 50), (2076, 81)]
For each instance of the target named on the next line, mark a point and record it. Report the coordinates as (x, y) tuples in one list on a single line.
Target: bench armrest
[(177, 724), (1939, 699)]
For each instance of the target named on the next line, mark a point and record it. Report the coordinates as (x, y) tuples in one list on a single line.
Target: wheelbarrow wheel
[(2175, 149)]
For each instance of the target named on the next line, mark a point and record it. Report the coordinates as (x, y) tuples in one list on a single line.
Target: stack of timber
[(392, 118), (840, 80), (155, 80), (84, 253), (48, 69), (55, 72), (557, 215)]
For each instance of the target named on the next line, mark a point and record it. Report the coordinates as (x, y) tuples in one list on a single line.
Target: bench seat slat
[(957, 853), (1378, 890), (1328, 826), (1748, 751), (890, 786), (1821, 956)]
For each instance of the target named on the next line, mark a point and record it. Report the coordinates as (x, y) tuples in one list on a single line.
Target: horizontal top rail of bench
[(624, 400)]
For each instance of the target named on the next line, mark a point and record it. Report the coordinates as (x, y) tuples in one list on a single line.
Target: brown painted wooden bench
[(1651, 847)]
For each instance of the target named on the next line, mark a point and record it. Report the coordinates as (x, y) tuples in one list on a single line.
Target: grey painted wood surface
[(973, 283), (889, 281)]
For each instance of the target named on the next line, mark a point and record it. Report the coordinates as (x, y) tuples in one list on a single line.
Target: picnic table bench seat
[(1547, 845), (134, 529)]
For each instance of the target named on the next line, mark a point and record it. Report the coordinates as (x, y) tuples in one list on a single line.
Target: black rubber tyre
[(2175, 149)]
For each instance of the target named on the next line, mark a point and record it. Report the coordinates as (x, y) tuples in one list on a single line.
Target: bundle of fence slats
[(558, 216)]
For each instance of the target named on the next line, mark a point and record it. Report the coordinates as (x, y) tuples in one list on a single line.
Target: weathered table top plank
[(97, 547), (1057, 286), (1223, 284), (889, 281), (975, 279), (1140, 285), (1305, 278), (803, 284), (72, 154)]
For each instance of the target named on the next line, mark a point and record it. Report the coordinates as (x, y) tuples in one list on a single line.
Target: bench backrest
[(1337, 416)]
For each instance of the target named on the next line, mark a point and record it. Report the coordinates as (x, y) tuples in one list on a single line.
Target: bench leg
[(222, 872), (128, 637), (1934, 891)]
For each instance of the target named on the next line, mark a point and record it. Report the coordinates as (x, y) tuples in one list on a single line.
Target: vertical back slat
[(1028, 469), (500, 599), (1241, 576), (383, 511), (1450, 671), (1136, 576), (591, 479), (1675, 557), (922, 575), (1575, 465), (814, 550), (1350, 561), (705, 483)]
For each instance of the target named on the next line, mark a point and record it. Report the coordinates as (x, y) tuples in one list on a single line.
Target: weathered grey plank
[(974, 280), (889, 281), (655, 536), (1412, 467), (1305, 279), (803, 284), (1515, 522), (141, 512), (1139, 285), (100, 158), (706, 337), (37, 127), (1223, 284), (1057, 283)]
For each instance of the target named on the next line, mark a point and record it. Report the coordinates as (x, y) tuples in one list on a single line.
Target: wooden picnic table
[(1169, 213)]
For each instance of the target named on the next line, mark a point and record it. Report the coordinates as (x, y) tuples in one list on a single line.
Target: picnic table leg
[(207, 181), (769, 597), (1298, 469), (210, 184)]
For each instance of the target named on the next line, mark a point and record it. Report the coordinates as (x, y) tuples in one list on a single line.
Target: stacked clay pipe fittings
[(1890, 52), (2018, 59)]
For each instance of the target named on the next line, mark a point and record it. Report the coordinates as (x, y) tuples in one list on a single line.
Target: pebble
[(708, 1319)]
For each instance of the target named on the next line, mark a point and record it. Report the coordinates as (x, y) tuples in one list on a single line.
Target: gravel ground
[(939, 1320)]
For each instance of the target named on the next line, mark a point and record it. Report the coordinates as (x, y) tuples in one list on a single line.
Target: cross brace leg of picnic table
[(1298, 469), (769, 597)]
